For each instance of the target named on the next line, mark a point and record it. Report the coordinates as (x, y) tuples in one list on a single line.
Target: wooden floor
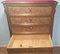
[(3, 50), (55, 51)]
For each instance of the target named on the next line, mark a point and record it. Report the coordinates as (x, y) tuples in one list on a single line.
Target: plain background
[(4, 31)]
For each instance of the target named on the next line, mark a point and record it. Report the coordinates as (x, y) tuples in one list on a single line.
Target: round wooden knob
[(30, 20), (20, 45), (30, 28)]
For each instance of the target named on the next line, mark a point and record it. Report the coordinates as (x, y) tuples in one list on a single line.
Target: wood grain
[(17, 29), (30, 20), (30, 14), (18, 11)]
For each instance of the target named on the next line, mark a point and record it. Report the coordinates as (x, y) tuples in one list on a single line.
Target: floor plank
[(3, 50), (56, 50)]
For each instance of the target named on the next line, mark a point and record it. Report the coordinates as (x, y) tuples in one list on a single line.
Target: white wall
[(56, 30), (4, 31)]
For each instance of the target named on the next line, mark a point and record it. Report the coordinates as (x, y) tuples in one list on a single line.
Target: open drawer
[(30, 44)]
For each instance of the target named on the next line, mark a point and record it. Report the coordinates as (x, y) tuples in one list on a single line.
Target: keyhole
[(30, 10)]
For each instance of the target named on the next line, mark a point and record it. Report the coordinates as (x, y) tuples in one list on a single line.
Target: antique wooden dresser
[(31, 26)]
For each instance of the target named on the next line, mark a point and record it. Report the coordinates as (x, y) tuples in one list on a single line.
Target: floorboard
[(56, 50), (3, 50)]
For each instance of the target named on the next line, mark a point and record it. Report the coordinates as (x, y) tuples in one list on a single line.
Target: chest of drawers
[(31, 26)]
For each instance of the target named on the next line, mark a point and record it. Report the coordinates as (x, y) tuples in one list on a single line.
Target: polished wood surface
[(24, 19), (30, 20), (18, 11), (30, 25), (17, 29)]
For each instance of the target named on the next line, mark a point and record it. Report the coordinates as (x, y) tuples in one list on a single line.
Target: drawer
[(33, 53), (17, 29), (30, 20), (29, 11), (30, 44)]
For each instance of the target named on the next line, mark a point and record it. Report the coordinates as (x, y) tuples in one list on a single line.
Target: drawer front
[(31, 53), (30, 29), (24, 11), (30, 20)]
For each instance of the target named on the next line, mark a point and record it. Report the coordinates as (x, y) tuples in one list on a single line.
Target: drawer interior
[(30, 41)]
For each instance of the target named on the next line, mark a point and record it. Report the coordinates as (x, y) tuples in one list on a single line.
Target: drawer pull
[(30, 28), (20, 45), (30, 20)]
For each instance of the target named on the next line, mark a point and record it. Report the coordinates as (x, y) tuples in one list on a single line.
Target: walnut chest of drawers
[(31, 26)]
